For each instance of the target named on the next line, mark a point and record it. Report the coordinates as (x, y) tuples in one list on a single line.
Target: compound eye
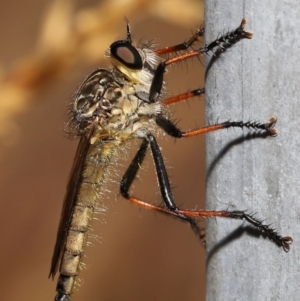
[(126, 54)]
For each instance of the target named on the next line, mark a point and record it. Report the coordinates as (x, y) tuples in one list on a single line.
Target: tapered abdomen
[(89, 192)]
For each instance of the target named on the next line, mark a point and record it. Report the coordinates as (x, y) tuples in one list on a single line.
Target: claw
[(270, 126), (246, 34), (286, 243)]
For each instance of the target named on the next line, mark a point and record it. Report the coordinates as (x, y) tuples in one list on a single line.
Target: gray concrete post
[(254, 80)]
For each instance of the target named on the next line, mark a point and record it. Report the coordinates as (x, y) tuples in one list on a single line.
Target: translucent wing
[(69, 201)]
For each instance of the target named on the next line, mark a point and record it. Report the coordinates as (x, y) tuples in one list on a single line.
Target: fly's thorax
[(128, 114), (116, 102), (113, 103)]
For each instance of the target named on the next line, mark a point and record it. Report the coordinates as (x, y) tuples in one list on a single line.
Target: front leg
[(220, 43)]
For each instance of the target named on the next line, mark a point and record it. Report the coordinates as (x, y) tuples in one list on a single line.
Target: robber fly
[(125, 102)]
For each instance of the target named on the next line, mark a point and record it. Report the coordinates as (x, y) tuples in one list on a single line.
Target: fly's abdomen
[(94, 174), (74, 248)]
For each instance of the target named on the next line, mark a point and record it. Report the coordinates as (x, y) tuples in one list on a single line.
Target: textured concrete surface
[(254, 80)]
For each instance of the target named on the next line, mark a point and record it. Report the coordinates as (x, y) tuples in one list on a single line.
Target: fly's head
[(117, 100), (137, 64)]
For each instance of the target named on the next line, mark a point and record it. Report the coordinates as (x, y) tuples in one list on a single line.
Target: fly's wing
[(69, 201)]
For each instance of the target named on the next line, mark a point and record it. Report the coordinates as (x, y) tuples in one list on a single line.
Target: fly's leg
[(164, 185), (183, 96), (183, 46), (180, 47), (283, 241), (172, 130), (171, 208), (221, 43)]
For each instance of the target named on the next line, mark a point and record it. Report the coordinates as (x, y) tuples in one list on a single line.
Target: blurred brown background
[(47, 48)]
